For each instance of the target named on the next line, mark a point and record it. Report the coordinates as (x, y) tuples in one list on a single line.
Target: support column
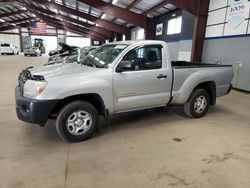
[(119, 37), (198, 38), (128, 34), (150, 30), (20, 39), (199, 30)]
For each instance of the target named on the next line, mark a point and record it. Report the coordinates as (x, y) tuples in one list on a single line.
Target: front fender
[(71, 87)]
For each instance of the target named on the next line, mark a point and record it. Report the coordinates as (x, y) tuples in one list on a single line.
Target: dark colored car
[(82, 52), (65, 51)]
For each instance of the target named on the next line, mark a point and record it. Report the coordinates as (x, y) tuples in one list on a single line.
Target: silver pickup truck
[(117, 77)]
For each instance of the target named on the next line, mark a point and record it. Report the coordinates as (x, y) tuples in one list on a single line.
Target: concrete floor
[(153, 148)]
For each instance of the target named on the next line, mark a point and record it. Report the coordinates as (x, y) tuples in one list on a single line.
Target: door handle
[(161, 76)]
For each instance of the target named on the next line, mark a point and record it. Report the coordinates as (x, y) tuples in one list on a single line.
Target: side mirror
[(124, 66)]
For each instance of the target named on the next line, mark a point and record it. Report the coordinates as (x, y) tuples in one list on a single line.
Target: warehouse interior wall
[(137, 33), (51, 38), (77, 40), (178, 43), (228, 45)]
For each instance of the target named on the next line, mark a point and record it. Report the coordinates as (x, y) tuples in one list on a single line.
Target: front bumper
[(31, 110)]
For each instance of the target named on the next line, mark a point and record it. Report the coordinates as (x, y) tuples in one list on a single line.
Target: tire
[(198, 104), (71, 124), (25, 54)]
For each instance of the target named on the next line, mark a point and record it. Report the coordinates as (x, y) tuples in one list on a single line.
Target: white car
[(9, 49), (32, 51)]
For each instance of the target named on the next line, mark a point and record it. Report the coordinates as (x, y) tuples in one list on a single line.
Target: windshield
[(103, 56)]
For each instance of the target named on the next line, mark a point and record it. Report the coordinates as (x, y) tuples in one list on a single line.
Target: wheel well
[(93, 99), (210, 88)]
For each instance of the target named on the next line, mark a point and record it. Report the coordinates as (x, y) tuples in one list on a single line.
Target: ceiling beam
[(135, 2), (108, 25), (124, 14), (7, 14), (48, 20), (192, 6), (99, 30), (12, 27), (8, 27), (156, 7), (15, 21), (58, 26)]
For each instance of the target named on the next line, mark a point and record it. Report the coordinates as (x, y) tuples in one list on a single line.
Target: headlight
[(33, 88)]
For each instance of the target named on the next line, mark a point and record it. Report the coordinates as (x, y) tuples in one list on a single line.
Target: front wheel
[(198, 104), (77, 121)]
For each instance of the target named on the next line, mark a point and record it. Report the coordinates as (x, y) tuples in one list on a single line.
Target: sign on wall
[(159, 29), (96, 42), (237, 13)]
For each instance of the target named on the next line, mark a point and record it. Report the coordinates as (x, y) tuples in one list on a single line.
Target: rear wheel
[(77, 121), (198, 104)]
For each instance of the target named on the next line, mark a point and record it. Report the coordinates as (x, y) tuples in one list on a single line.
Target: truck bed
[(187, 75), (186, 64)]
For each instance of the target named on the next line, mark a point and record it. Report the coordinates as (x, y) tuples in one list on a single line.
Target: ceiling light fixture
[(114, 2), (55, 10), (1, 20), (103, 16), (23, 8)]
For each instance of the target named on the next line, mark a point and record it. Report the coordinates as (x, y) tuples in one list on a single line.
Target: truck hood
[(60, 69)]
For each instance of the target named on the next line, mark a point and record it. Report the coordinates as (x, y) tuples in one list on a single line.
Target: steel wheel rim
[(79, 122), (200, 104)]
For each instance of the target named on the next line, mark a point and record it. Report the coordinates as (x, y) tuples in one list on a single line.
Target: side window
[(145, 58)]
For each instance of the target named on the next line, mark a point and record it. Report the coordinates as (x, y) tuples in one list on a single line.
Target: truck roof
[(130, 42)]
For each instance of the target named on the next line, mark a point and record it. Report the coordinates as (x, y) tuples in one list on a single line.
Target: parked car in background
[(66, 50), (82, 52), (117, 77), (57, 51), (7, 48), (32, 51)]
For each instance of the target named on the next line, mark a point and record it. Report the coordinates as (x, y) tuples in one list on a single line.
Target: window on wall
[(140, 34), (174, 25)]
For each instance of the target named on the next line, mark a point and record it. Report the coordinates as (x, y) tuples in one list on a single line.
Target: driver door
[(147, 84)]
